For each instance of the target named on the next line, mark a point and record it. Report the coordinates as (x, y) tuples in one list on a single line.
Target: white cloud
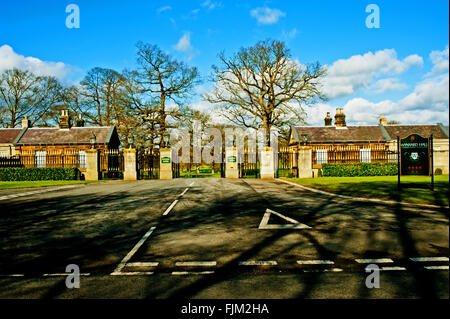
[(432, 93), (389, 84), (211, 4), (10, 59), (440, 60), (290, 34), (266, 15), (165, 8), (345, 76), (184, 45)]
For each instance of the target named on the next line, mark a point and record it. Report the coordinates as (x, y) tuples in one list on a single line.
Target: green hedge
[(38, 174), (359, 169)]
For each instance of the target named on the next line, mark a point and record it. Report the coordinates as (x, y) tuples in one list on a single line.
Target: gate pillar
[(130, 167), (232, 167), (267, 164), (165, 163), (305, 162), (92, 171)]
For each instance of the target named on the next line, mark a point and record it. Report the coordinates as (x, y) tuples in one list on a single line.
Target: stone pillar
[(267, 164), (129, 165), (305, 162), (92, 169), (165, 163), (231, 159)]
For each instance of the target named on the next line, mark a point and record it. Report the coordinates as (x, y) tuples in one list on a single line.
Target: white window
[(3, 154), (81, 159), (321, 156), (40, 158), (364, 155)]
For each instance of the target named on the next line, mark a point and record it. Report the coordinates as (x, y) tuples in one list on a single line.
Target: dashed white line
[(196, 263), (324, 270), (135, 273), (191, 184), (143, 264), (170, 207), (426, 259), (133, 251), (374, 261), (315, 262), (12, 275), (64, 274), (436, 267), (394, 268), (184, 192), (258, 263), (184, 273)]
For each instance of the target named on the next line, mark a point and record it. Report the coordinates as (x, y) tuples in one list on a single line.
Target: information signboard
[(415, 155)]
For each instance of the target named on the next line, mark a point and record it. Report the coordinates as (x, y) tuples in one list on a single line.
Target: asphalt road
[(201, 238)]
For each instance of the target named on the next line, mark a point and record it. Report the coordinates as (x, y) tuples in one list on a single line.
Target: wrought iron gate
[(147, 165)]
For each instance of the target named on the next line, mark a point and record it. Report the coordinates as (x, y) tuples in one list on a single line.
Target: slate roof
[(374, 133), (74, 135), (405, 130), (8, 135), (332, 134)]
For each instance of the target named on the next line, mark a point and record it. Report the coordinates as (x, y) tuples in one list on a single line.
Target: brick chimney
[(328, 120), (79, 122), (26, 122), (64, 120), (339, 118), (383, 120)]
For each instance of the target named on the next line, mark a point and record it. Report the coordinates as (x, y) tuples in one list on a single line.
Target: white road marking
[(133, 251), (258, 263), (294, 224), (143, 264), (315, 262), (324, 270), (425, 259), (374, 261), (196, 263), (64, 274), (136, 273), (36, 192), (184, 273), (436, 267), (392, 268), (191, 184), (12, 275), (184, 191), (170, 207)]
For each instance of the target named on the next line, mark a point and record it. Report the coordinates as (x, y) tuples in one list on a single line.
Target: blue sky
[(399, 69)]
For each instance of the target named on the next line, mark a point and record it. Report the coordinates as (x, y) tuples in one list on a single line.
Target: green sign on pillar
[(165, 160), (415, 155), (231, 159)]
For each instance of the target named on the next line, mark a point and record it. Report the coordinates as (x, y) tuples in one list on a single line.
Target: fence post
[(305, 162), (165, 164), (129, 163), (231, 159), (267, 164), (92, 172)]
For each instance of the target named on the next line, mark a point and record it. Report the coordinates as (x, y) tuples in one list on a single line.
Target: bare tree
[(261, 86), (24, 94), (164, 79)]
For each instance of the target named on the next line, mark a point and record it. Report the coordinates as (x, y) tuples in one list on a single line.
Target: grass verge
[(415, 189), (28, 184)]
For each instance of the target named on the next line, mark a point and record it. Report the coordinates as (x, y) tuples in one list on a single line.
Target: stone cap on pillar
[(129, 150)]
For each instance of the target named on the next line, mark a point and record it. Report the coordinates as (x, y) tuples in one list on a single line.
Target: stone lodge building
[(340, 143)]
